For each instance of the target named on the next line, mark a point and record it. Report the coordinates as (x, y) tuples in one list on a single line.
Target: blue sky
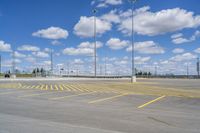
[(167, 34)]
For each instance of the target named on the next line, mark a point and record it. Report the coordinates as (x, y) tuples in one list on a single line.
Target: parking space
[(93, 104)]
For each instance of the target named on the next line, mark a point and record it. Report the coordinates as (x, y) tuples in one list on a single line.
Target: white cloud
[(116, 43), (178, 50), (41, 54), (78, 61), (197, 50), (52, 33), (90, 45), (142, 60), (85, 27), (28, 48), (56, 42), (47, 62), (179, 39), (84, 48), (31, 59), (5, 47), (183, 57), (106, 3), (147, 47), (155, 23), (19, 55), (111, 17)]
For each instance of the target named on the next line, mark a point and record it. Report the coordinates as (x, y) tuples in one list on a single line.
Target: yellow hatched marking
[(56, 87), (41, 87), (33, 86), (61, 88), (106, 99), (51, 86), (150, 102), (69, 87), (69, 96), (46, 87), (77, 88), (37, 87), (66, 87)]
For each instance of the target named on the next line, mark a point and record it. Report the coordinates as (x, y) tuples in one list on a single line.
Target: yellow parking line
[(152, 101), (32, 86), (5, 93), (51, 86), (61, 88), (42, 86), (37, 87), (46, 87), (77, 88), (56, 87), (31, 95), (66, 87), (81, 94), (108, 98)]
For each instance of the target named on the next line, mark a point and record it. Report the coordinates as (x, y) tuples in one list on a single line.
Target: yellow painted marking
[(152, 101), (42, 86), (51, 87), (4, 93), (56, 87), (77, 88), (81, 94), (108, 98), (61, 88), (66, 88), (46, 88), (32, 86), (31, 95)]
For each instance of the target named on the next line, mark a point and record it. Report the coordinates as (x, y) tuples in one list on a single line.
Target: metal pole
[(95, 55), (187, 70), (0, 64), (197, 67), (13, 65), (133, 76), (51, 62)]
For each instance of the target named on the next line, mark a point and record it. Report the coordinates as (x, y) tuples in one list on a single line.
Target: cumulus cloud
[(197, 50), (111, 17), (183, 57), (85, 48), (52, 33), (19, 55), (41, 54), (179, 39), (178, 50), (28, 48), (85, 27), (142, 60), (156, 23), (106, 3), (5, 47), (147, 47), (116, 43)]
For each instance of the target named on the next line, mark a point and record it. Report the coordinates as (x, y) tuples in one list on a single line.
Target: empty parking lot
[(110, 106)]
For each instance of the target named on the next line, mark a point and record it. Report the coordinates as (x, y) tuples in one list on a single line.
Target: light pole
[(198, 68), (95, 47), (51, 62), (133, 76)]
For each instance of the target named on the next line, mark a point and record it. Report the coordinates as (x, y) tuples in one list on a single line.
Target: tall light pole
[(51, 62), (95, 44), (13, 64), (133, 76), (198, 68)]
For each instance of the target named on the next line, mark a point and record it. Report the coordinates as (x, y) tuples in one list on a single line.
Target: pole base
[(13, 76), (133, 79)]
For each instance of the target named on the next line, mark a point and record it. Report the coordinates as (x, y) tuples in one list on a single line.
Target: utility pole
[(155, 71), (187, 70), (0, 64), (95, 47), (105, 66), (133, 76), (13, 64), (51, 62), (197, 67)]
